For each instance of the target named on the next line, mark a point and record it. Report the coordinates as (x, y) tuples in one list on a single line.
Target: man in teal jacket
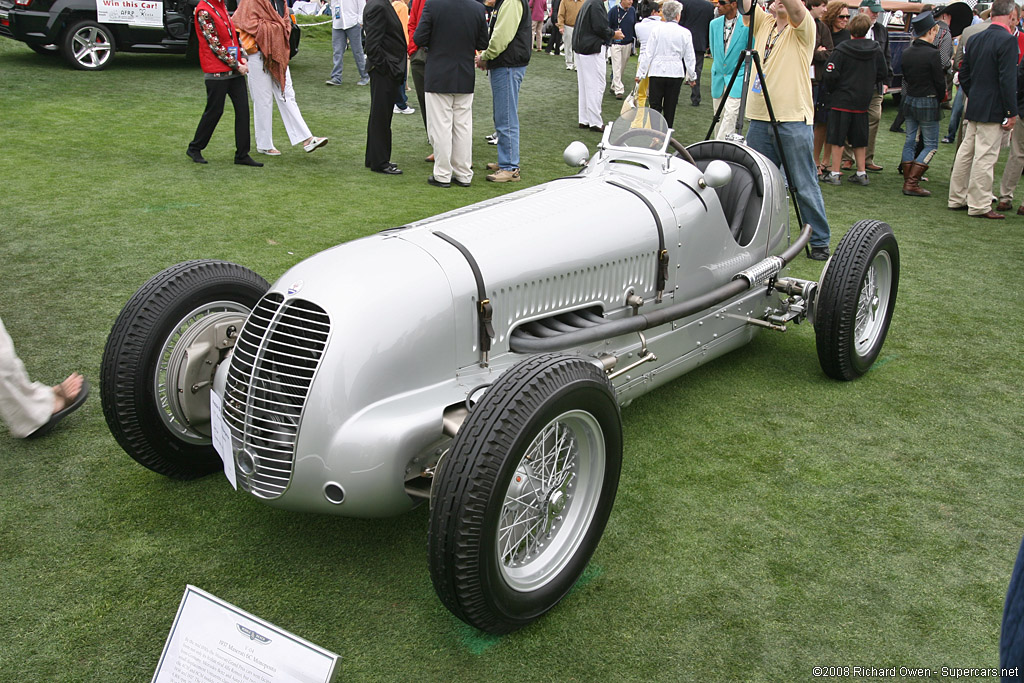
[(728, 37)]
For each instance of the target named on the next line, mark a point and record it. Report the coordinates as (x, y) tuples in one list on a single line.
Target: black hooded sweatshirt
[(856, 68)]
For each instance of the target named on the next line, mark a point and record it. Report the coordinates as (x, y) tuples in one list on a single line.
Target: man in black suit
[(452, 30), (385, 60), (988, 77), (697, 16)]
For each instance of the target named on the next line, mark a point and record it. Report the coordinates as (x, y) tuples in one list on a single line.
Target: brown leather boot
[(912, 173)]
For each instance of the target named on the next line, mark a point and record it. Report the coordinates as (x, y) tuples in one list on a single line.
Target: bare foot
[(66, 392)]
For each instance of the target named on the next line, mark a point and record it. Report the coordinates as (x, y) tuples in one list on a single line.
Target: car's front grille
[(272, 367)]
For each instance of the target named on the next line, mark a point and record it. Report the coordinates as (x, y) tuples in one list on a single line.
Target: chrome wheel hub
[(873, 303), (188, 359), (551, 500)]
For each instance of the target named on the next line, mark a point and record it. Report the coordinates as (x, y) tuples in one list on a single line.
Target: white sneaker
[(407, 110), (314, 143), (363, 81)]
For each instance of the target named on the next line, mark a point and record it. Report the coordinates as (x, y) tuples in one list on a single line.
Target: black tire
[(856, 299), (88, 46), (136, 398), (526, 406), (45, 50)]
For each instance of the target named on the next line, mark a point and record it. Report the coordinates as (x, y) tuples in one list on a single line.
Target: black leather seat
[(741, 197)]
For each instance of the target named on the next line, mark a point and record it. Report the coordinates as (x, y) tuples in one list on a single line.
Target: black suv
[(69, 27)]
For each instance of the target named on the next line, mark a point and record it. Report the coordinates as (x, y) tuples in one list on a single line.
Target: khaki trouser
[(727, 124), (450, 129), (874, 116), (619, 53), (1014, 163), (971, 181), (24, 405)]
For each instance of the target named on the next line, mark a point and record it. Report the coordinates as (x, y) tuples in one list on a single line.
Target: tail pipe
[(758, 274)]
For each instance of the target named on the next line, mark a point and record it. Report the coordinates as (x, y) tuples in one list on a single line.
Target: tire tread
[(469, 472), (123, 368)]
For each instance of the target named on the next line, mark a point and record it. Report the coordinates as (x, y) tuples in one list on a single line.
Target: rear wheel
[(523, 496), (161, 357), (856, 298), (88, 46)]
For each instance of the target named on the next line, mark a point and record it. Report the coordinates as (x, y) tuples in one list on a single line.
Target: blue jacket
[(725, 62)]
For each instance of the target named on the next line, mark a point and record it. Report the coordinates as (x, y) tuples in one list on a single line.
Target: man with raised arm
[(784, 36)]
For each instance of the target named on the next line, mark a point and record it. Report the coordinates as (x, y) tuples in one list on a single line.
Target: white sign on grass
[(215, 642), (134, 12), (222, 437)]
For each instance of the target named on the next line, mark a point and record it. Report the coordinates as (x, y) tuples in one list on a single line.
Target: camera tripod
[(751, 57)]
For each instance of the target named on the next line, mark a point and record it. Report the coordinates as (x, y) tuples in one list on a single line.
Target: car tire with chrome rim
[(88, 46), (161, 357), (521, 499), (855, 300)]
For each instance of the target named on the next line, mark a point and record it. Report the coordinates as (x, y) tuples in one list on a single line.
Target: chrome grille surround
[(273, 364)]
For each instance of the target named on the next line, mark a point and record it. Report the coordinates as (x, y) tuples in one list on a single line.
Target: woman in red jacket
[(223, 64)]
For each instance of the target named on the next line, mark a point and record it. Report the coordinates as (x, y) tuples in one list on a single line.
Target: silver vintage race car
[(478, 360)]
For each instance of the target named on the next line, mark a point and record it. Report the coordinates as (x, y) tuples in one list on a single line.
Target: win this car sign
[(134, 12)]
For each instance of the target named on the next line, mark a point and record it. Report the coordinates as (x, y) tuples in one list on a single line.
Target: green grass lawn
[(769, 520)]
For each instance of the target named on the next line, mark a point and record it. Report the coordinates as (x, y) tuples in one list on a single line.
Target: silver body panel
[(403, 343)]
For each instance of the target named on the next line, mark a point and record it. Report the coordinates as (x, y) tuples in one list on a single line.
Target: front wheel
[(161, 357), (88, 46), (522, 498), (856, 299)]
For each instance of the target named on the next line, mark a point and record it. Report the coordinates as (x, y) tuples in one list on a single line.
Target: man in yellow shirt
[(784, 36)]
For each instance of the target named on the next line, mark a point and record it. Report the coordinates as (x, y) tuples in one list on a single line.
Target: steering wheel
[(656, 139)]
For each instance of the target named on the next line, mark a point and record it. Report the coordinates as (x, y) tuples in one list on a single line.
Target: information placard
[(214, 641), (134, 12)]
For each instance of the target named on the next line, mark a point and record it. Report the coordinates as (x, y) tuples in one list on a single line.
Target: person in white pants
[(30, 408), (568, 10), (264, 91), (591, 79), (264, 29), (590, 41)]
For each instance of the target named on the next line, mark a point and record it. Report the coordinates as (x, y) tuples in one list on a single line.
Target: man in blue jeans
[(347, 28), (785, 38), (505, 60)]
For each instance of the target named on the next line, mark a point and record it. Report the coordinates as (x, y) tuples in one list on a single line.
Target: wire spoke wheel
[(872, 306), (523, 495), (856, 299), (551, 500)]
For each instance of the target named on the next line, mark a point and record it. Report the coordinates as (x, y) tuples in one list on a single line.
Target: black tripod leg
[(794, 191), (725, 99)]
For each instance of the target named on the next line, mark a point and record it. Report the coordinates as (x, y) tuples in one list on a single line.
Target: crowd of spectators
[(828, 120)]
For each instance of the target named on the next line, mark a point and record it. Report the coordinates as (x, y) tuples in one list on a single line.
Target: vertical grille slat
[(275, 359)]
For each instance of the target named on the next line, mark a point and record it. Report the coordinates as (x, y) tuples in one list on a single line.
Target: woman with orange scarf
[(264, 28)]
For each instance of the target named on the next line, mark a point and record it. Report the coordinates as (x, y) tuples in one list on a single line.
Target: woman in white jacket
[(667, 59)]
